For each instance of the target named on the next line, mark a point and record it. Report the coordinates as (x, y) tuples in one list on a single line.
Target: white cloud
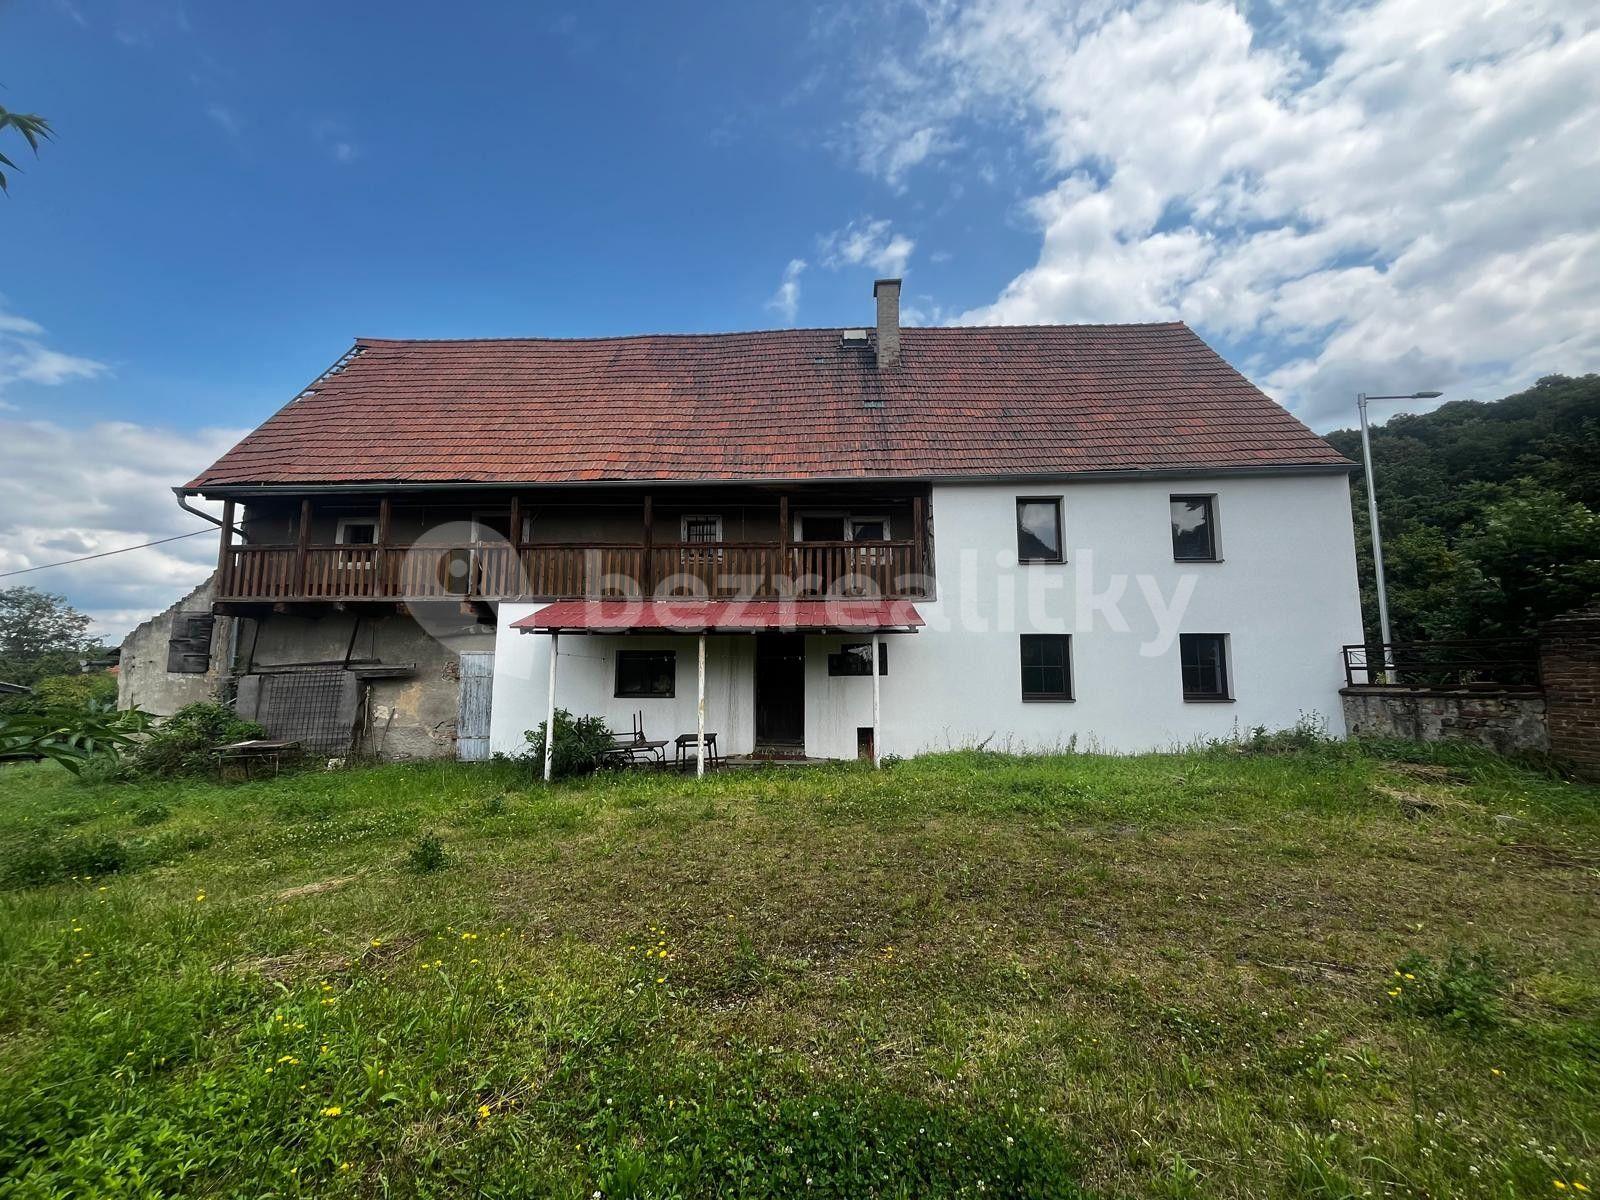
[(24, 358), (867, 241), (786, 300), (1393, 195), (225, 119), (70, 492)]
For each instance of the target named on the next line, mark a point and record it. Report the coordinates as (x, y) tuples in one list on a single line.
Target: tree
[(40, 635), (32, 127)]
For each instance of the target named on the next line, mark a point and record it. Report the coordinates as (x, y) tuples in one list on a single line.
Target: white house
[(1092, 535)]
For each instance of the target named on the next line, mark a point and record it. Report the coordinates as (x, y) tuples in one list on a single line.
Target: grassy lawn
[(966, 975)]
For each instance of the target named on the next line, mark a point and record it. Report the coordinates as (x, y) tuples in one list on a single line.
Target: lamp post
[(1372, 507)]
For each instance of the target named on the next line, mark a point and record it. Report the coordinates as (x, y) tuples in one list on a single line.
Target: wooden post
[(515, 580), (700, 729), (877, 735), (381, 567), (225, 551), (550, 711), (300, 548), (647, 573), (782, 587), (919, 552)]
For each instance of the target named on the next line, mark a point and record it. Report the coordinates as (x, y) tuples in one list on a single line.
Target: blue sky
[(1386, 195)]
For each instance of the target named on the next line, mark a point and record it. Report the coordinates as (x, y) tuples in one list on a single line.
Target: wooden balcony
[(497, 571)]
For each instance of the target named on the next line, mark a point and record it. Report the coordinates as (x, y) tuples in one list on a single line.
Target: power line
[(67, 562)]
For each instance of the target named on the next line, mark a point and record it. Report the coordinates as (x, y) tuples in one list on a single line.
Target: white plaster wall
[(1285, 593), (586, 676)]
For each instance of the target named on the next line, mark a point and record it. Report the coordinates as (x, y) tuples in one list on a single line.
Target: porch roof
[(723, 616)]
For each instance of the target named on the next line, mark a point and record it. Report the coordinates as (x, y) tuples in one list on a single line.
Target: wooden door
[(472, 718), (781, 691)]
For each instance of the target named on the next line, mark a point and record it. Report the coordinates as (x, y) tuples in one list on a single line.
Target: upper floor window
[(1046, 666), (840, 527), (354, 531), (647, 674), (702, 527), (1194, 528), (855, 658), (1039, 529), (1205, 666)]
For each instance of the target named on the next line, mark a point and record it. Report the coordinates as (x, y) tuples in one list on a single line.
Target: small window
[(1039, 530), (189, 646), (702, 528), (1046, 666), (352, 532), (1205, 665), (1194, 528), (821, 527), (647, 673), (869, 529), (856, 659)]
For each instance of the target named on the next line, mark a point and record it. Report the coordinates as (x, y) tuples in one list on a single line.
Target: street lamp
[(1372, 505)]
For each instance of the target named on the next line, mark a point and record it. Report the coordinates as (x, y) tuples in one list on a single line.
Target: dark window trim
[(838, 656), (1061, 532), (669, 694), (1071, 694), (1226, 695), (1211, 519)]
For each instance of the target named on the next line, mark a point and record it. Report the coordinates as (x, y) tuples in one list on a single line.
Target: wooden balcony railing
[(720, 570)]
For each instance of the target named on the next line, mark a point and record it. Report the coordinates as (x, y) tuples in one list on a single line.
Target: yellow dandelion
[(483, 1112), (344, 1166), (333, 1110), (661, 978), (1578, 1186), (1560, 1187), (375, 942), (199, 896)]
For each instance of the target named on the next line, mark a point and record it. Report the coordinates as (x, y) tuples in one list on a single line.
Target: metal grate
[(315, 708)]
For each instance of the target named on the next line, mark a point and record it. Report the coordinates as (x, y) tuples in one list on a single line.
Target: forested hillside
[(1490, 512)]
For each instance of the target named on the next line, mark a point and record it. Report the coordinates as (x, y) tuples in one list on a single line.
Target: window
[(869, 529), (821, 527), (647, 673), (353, 531), (189, 646), (702, 528), (856, 659), (1205, 665), (1039, 529), (1046, 666), (1194, 528)]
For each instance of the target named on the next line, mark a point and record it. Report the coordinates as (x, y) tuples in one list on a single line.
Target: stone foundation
[(1503, 721)]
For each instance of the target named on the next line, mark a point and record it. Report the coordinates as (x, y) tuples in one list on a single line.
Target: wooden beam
[(919, 551), (381, 567), (781, 584), (647, 581), (301, 547), (225, 550)]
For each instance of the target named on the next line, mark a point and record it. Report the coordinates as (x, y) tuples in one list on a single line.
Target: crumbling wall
[(409, 716), (143, 680)]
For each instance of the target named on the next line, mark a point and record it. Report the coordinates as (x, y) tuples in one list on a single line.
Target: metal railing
[(1502, 663)]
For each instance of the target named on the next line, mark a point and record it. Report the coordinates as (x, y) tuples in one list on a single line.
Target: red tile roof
[(723, 616), (786, 404)]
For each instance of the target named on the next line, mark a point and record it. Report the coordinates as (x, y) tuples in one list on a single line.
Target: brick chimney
[(887, 294)]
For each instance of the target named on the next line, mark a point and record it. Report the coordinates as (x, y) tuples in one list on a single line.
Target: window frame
[(342, 526), (1210, 499), (616, 684), (683, 528), (1069, 695), (847, 525), (844, 648), (1061, 528), (850, 529), (1224, 667)]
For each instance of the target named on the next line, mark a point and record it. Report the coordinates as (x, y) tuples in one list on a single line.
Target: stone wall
[(1569, 668), (1502, 721), (142, 676)]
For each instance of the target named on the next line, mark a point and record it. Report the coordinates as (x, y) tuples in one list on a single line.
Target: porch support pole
[(782, 582), (877, 736), (550, 711), (700, 729), (647, 578), (303, 541), (385, 520), (225, 551)]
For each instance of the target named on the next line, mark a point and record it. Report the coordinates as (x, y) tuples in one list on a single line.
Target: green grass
[(969, 974)]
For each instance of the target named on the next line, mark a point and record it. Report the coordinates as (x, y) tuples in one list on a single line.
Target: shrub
[(1460, 993), (186, 741), (580, 744), (428, 855), (151, 814), (65, 691)]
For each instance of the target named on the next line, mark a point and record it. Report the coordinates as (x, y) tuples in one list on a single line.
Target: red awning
[(723, 616)]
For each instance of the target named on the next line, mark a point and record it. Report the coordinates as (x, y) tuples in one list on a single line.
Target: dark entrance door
[(781, 691)]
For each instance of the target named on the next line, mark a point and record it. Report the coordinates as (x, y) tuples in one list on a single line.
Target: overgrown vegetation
[(186, 742), (580, 743), (978, 975), (1491, 512)]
